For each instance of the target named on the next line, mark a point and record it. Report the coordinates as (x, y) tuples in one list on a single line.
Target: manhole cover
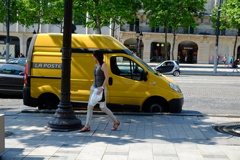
[(232, 128)]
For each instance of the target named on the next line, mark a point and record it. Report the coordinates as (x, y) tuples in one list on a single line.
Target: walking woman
[(100, 82)]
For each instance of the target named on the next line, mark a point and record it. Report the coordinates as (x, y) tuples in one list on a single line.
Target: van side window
[(125, 67)]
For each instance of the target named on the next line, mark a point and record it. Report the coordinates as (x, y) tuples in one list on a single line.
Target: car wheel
[(176, 73), (155, 106), (48, 101)]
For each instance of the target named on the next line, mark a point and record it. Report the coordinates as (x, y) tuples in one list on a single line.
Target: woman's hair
[(99, 56)]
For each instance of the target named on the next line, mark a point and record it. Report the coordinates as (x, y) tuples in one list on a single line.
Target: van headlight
[(175, 87)]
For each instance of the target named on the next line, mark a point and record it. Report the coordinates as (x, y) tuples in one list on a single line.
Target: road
[(210, 94), (202, 94)]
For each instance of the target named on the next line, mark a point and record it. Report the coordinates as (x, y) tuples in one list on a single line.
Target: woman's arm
[(105, 71)]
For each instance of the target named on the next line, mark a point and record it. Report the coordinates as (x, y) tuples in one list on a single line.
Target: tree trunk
[(98, 25), (113, 28), (39, 23), (165, 46), (98, 19), (61, 27), (174, 39), (38, 28), (235, 44)]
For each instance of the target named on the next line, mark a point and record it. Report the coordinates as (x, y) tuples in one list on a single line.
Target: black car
[(20, 61), (11, 79)]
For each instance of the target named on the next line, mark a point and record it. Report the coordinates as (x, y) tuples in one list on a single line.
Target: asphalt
[(205, 69), (139, 136)]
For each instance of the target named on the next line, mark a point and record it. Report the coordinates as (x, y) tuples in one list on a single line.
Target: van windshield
[(144, 64)]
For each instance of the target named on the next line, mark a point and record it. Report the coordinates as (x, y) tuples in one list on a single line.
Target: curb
[(203, 69), (83, 112), (208, 73)]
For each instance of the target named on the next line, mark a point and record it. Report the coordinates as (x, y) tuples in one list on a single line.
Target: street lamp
[(64, 118), (7, 26), (137, 47)]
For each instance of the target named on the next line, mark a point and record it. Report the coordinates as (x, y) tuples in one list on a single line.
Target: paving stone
[(91, 151), (138, 137), (115, 157), (140, 151)]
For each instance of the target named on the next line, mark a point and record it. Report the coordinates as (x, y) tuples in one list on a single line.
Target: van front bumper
[(175, 105), (27, 99)]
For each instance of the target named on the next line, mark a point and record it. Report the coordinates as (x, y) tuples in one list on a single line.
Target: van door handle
[(110, 81)]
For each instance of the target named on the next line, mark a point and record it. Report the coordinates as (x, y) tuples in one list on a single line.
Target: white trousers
[(103, 107)]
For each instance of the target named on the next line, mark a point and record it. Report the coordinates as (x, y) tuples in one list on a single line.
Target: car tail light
[(26, 74)]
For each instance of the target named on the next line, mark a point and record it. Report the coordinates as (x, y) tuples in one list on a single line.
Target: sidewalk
[(149, 137), (184, 136), (204, 69), (208, 69)]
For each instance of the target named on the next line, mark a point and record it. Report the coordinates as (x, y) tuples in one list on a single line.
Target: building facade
[(192, 45)]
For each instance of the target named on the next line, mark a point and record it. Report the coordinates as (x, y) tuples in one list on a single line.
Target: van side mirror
[(144, 75)]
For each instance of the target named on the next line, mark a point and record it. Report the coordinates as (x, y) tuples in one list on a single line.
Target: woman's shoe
[(115, 126), (85, 129)]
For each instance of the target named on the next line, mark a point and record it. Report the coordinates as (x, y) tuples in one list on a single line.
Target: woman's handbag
[(103, 96), (95, 98)]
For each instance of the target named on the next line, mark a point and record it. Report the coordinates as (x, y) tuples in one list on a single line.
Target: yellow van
[(133, 85)]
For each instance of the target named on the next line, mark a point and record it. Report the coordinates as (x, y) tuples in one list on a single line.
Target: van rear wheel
[(155, 105), (48, 101)]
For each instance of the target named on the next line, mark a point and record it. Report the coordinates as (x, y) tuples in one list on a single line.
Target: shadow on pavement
[(7, 96), (31, 140)]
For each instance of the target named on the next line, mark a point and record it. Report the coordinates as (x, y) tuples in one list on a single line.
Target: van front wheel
[(155, 105), (48, 101)]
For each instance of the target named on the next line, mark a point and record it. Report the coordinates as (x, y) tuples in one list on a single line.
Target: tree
[(38, 12), (230, 18), (158, 12), (120, 11), (100, 12), (56, 9), (4, 11), (79, 12), (172, 14), (93, 9), (105, 12), (189, 10)]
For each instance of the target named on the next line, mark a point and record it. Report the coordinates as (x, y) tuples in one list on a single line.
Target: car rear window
[(10, 69)]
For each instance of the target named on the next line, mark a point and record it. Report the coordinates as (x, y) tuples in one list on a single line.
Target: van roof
[(54, 42)]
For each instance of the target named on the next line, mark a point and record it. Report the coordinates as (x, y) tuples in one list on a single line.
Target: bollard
[(2, 134)]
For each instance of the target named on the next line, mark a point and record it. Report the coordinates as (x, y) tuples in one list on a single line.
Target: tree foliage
[(173, 14), (32, 12), (230, 14), (104, 12), (231, 18), (99, 12), (4, 11), (121, 11)]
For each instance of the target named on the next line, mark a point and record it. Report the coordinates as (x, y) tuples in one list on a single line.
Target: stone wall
[(205, 43)]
